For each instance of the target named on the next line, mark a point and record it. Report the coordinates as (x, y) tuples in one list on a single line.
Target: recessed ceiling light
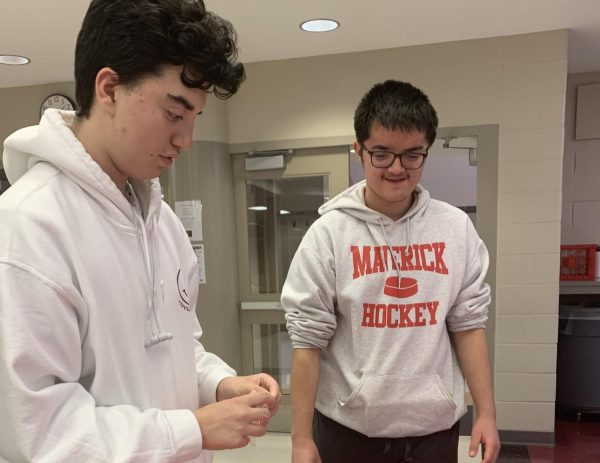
[(284, 212), (319, 25), (15, 60), (258, 208)]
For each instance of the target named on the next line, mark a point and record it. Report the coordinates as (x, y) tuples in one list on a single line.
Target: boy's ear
[(357, 149), (106, 82)]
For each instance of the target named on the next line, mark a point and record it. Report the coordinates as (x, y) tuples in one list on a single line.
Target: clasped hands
[(244, 407)]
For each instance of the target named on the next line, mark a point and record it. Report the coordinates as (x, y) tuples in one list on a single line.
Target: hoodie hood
[(352, 202), (52, 141)]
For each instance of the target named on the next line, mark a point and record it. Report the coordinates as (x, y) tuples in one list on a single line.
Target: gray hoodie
[(378, 297)]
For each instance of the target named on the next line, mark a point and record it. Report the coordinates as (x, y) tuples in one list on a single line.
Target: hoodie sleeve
[(211, 370), (308, 295), (470, 309), (45, 414)]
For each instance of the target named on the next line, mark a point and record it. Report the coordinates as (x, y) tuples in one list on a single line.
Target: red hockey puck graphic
[(406, 288)]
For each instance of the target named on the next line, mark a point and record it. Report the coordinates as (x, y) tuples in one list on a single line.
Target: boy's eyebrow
[(387, 148), (182, 101)]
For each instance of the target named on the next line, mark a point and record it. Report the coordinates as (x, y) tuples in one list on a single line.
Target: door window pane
[(279, 212), (272, 351)]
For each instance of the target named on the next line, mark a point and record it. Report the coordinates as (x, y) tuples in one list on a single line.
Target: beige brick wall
[(529, 204)]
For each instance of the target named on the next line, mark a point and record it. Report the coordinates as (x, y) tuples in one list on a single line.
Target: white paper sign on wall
[(190, 214)]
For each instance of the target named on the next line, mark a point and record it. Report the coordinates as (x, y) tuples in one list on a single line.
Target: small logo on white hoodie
[(184, 299)]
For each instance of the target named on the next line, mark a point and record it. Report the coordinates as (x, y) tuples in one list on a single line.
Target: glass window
[(279, 212), (272, 352)]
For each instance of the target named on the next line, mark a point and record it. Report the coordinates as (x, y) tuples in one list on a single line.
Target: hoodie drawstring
[(389, 246), (156, 335)]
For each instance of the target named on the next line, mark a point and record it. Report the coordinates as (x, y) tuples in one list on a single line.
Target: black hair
[(395, 105), (137, 38)]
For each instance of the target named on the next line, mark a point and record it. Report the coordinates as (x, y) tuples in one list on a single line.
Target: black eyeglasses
[(383, 159)]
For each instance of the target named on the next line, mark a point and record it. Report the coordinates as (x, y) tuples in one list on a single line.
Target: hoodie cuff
[(186, 434), (207, 391)]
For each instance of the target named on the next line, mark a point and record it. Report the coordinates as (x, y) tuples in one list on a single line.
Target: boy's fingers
[(473, 446)]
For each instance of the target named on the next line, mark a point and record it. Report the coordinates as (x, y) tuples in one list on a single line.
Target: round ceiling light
[(319, 25), (14, 60)]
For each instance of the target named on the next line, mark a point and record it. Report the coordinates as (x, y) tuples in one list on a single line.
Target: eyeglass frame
[(396, 155)]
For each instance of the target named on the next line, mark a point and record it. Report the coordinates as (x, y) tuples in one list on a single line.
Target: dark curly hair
[(395, 105), (136, 38)]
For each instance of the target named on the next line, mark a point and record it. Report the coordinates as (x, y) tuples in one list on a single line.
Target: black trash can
[(578, 362)]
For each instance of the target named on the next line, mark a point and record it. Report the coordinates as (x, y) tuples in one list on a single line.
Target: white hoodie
[(378, 297), (99, 358)]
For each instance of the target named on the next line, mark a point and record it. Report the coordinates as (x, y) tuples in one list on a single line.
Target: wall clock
[(58, 101)]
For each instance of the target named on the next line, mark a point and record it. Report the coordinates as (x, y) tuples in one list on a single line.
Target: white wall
[(211, 125)]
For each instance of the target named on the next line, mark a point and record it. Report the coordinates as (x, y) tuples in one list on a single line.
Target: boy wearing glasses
[(386, 305)]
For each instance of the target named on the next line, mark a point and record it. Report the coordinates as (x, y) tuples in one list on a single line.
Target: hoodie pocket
[(397, 406)]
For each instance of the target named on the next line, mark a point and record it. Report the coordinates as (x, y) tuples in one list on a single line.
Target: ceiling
[(268, 29)]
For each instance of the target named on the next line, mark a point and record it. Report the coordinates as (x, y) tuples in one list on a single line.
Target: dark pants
[(339, 444)]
